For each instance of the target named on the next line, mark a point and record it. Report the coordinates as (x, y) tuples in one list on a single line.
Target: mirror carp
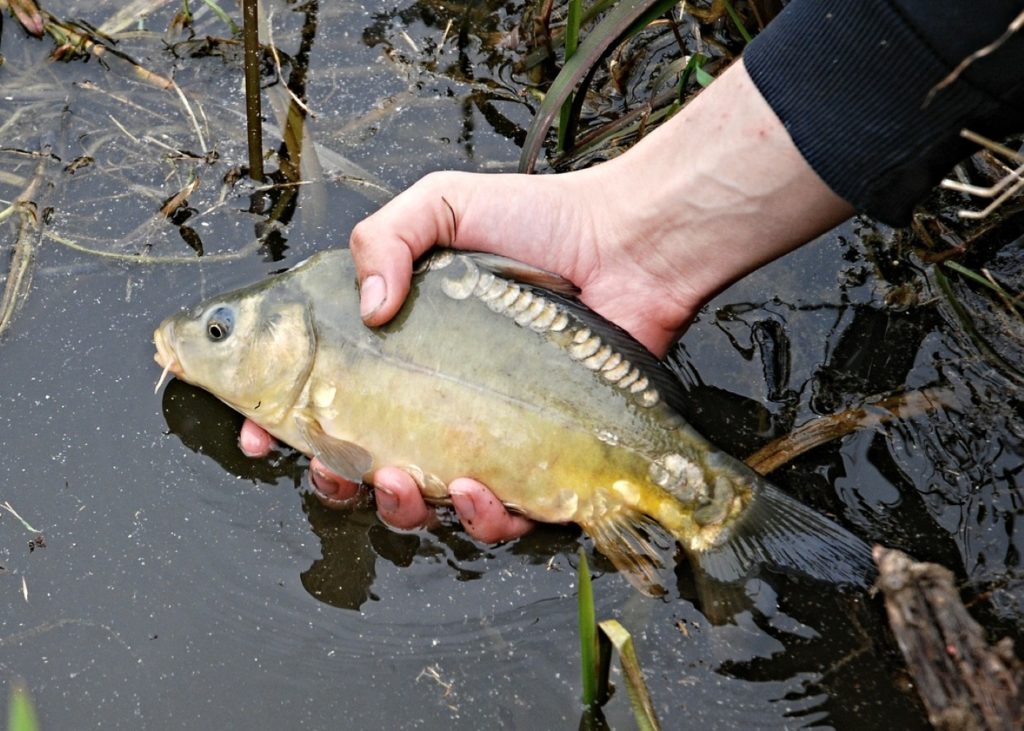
[(492, 370)]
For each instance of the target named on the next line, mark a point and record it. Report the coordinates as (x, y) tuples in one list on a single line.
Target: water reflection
[(350, 544), (351, 540)]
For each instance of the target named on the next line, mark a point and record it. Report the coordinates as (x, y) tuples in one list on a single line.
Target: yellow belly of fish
[(535, 459)]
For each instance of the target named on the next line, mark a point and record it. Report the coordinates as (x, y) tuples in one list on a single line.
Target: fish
[(493, 370)]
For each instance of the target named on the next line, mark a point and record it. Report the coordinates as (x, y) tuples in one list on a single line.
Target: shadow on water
[(185, 584), (351, 539)]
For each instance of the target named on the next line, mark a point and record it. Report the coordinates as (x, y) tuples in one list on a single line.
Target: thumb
[(385, 245), (384, 268)]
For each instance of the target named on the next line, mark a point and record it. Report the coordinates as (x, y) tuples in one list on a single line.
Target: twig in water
[(253, 114), (19, 277), (268, 26), (444, 36), (408, 39), (180, 198), (7, 506), (1005, 188), (145, 259), (827, 428), (191, 116)]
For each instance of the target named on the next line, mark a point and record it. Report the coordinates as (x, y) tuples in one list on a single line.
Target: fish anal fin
[(777, 532), (623, 535), (345, 458)]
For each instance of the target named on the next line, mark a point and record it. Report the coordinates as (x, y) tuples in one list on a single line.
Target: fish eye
[(220, 324)]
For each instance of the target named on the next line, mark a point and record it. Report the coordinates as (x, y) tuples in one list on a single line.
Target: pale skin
[(648, 237)]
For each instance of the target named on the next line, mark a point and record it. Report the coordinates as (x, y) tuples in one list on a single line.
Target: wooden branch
[(964, 683)]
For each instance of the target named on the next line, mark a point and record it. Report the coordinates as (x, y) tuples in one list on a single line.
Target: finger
[(254, 441), (483, 515), (399, 502), (385, 245), (333, 490)]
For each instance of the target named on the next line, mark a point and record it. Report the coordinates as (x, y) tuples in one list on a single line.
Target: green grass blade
[(967, 322), (540, 54), (588, 634), (21, 714), (736, 19), (622, 19), (695, 67), (702, 76), (219, 12), (639, 697), (572, 38), (1010, 300)]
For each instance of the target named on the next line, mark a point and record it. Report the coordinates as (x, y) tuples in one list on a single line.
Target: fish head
[(253, 349)]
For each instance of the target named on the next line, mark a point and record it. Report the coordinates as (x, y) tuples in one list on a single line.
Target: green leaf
[(639, 697), (572, 37), (588, 633), (219, 12), (702, 76), (21, 714), (735, 19), (694, 67), (624, 19)]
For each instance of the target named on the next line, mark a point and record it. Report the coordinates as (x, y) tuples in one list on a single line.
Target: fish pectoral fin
[(623, 535), (345, 458), (777, 532), (524, 273)]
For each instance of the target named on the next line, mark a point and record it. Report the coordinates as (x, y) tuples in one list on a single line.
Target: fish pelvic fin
[(345, 458), (776, 531), (624, 536)]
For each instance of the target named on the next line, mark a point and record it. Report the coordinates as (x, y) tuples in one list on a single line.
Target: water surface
[(184, 585)]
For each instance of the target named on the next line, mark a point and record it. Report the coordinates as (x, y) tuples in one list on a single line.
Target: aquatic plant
[(620, 23), (21, 713), (253, 114), (597, 640)]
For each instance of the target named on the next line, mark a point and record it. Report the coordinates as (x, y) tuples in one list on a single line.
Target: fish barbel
[(488, 372)]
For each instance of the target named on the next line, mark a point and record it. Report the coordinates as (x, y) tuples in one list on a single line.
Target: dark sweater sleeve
[(850, 80)]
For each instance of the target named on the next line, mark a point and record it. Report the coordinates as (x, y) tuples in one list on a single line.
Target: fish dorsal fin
[(623, 535), (345, 458), (776, 531), (523, 273), (497, 266)]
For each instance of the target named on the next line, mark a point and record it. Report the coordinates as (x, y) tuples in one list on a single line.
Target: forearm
[(856, 84), (715, 192)]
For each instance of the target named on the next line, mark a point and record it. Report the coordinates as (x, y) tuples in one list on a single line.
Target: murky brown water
[(183, 585)]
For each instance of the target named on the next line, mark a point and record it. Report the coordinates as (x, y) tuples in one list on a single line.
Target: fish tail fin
[(623, 535), (776, 531)]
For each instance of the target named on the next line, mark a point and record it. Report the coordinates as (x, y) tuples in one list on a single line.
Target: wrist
[(715, 192)]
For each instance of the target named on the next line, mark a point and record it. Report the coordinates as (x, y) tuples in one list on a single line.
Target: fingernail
[(334, 492), (325, 483), (372, 293), (386, 500), (464, 504)]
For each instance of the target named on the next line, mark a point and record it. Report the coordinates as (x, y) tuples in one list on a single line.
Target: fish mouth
[(164, 355)]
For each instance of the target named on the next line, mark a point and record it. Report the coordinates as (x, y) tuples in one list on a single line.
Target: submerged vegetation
[(21, 713), (596, 643)]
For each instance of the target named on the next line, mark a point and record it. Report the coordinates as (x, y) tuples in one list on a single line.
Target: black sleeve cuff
[(850, 78)]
